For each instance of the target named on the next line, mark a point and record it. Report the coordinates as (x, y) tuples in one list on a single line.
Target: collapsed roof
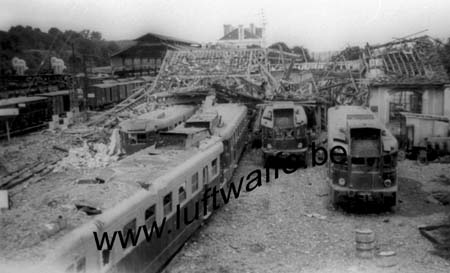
[(407, 61)]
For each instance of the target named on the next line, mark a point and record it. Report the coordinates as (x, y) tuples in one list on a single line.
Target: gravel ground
[(287, 226)]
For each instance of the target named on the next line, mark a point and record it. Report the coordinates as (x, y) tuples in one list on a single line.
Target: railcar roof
[(13, 101), (105, 85), (372, 123), (230, 114), (356, 117), (56, 93), (42, 202), (156, 118)]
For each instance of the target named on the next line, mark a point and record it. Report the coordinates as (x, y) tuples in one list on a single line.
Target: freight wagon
[(60, 101), (33, 113), (104, 95)]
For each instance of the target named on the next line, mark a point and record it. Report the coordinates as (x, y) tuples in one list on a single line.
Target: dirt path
[(271, 230)]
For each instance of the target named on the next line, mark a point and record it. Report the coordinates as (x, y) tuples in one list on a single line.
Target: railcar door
[(205, 186)]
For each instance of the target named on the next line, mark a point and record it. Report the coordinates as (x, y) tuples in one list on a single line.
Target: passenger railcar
[(143, 131), (171, 175), (362, 156), (284, 130)]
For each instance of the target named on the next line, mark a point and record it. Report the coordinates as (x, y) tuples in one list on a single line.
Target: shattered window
[(167, 203), (405, 101), (214, 166), (142, 138), (130, 226), (195, 182), (132, 139), (181, 194)]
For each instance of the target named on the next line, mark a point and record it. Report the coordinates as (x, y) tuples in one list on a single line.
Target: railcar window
[(358, 161), (141, 138), (214, 166), (339, 156), (105, 256), (150, 213), (132, 139), (195, 182), (130, 226), (167, 204), (81, 265), (181, 194), (205, 175)]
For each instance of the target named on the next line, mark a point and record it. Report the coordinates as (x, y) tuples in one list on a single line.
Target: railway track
[(32, 173)]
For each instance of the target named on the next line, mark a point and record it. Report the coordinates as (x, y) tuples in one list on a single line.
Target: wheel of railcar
[(401, 155), (265, 159), (333, 198), (422, 158), (390, 201)]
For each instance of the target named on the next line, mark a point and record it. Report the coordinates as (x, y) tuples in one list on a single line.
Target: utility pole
[(74, 106), (85, 89)]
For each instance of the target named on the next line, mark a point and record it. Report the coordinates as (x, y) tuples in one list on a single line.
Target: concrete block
[(53, 125), (67, 121), (4, 202)]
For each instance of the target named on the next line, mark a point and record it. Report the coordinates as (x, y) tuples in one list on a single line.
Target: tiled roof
[(152, 37)]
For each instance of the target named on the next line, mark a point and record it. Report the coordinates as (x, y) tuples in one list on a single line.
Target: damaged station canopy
[(259, 74), (245, 75), (407, 61)]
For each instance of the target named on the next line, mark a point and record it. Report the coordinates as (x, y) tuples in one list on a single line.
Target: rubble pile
[(88, 156)]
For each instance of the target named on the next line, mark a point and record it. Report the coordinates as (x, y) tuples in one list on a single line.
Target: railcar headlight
[(269, 146), (300, 145), (387, 183), (341, 181)]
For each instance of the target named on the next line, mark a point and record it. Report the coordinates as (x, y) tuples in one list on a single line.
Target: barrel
[(365, 243), (386, 258)]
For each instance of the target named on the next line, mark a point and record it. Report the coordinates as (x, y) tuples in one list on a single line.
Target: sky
[(319, 25)]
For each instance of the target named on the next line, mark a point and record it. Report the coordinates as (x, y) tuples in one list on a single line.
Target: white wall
[(447, 101)]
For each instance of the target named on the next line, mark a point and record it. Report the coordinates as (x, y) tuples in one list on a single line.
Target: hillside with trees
[(37, 47)]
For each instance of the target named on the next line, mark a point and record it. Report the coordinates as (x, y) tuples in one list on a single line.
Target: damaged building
[(145, 55), (409, 91)]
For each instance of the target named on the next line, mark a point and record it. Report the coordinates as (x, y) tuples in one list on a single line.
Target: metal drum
[(365, 243)]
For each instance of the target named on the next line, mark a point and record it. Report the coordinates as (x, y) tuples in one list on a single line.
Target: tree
[(95, 35), (55, 32), (283, 46), (304, 52), (85, 33), (350, 53)]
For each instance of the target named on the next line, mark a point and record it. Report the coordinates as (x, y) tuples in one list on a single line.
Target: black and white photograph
[(228, 136)]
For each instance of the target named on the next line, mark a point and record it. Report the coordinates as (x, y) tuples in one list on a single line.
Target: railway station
[(242, 153)]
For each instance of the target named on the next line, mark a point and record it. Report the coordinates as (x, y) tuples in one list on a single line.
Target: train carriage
[(363, 156), (99, 95), (146, 186), (143, 131), (284, 131)]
